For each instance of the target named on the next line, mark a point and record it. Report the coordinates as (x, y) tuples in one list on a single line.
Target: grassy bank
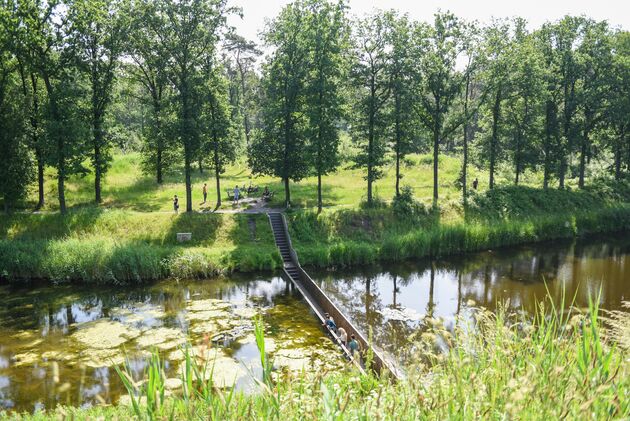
[(116, 246), (558, 365), (97, 245), (497, 218)]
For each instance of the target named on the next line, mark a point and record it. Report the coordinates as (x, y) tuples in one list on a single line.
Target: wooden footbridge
[(318, 301)]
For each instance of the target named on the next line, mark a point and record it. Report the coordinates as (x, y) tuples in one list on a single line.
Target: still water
[(395, 300), (58, 345)]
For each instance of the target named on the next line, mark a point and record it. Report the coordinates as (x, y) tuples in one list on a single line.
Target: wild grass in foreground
[(557, 365)]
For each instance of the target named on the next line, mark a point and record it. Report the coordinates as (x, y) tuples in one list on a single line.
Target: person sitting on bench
[(266, 193)]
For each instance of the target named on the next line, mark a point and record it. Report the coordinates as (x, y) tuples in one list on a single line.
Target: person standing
[(205, 192), (176, 204), (237, 193)]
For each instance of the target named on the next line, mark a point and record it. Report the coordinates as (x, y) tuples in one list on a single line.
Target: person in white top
[(343, 336)]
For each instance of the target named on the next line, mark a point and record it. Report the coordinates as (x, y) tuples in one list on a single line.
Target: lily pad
[(26, 358), (104, 334), (208, 304), (162, 337)]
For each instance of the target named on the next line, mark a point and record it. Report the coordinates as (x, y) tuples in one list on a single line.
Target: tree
[(439, 47), (595, 60), (217, 129), (326, 41), (371, 79), (563, 38), (471, 101), (277, 148), (496, 84), (32, 91), (151, 70), (188, 32), (525, 102), (43, 34), (245, 53), (97, 30), (402, 90), (16, 169), (619, 103)]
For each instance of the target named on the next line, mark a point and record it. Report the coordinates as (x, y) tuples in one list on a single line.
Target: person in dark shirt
[(176, 204), (330, 323)]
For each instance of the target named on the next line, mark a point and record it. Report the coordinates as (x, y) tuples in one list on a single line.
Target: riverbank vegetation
[(116, 246), (559, 364), (101, 245)]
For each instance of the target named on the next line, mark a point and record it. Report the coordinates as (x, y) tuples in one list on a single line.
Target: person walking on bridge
[(353, 345), (343, 336), (330, 323)]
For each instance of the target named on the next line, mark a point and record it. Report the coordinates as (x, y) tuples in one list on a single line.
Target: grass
[(132, 237), (117, 246), (559, 364), (125, 186)]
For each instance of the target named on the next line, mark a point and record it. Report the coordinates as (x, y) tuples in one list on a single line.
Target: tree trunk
[(200, 163), (217, 176), (517, 159), (496, 113), (40, 178), (60, 144), (287, 193), (157, 107), (159, 165), (319, 193), (618, 161), (217, 171), (549, 130), (397, 170), (585, 146), (188, 170), (436, 150), (371, 140), (97, 173), (398, 141), (465, 144)]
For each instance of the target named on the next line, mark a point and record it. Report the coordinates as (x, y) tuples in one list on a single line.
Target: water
[(58, 344), (394, 300)]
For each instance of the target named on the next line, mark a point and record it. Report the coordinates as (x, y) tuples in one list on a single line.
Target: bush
[(404, 204)]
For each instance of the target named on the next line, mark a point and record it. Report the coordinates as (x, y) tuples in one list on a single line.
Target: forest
[(82, 79)]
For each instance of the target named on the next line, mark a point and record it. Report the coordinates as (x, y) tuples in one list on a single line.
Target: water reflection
[(52, 351), (394, 300)]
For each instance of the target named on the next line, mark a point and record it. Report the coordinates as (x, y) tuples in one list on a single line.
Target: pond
[(59, 344), (398, 300)]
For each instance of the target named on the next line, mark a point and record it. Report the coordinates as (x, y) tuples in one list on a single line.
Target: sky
[(616, 12)]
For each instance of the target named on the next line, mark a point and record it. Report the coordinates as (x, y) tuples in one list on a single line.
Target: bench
[(268, 197)]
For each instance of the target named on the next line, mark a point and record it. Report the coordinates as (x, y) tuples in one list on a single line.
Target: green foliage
[(405, 205), (370, 76), (277, 148)]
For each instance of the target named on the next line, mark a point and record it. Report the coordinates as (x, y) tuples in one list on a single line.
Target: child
[(176, 204)]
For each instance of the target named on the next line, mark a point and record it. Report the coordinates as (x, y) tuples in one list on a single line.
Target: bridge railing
[(321, 300)]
